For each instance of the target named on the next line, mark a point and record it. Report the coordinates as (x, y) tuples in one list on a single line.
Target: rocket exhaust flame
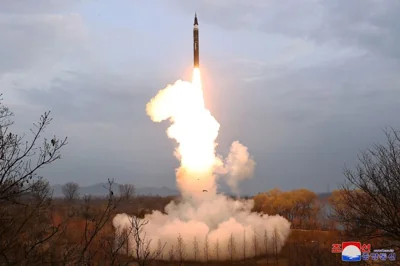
[(202, 214), (196, 77), (194, 129)]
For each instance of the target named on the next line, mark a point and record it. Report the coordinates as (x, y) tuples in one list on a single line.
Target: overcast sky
[(305, 84)]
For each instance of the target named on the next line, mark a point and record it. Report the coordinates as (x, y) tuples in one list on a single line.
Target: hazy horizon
[(153, 190), (304, 85)]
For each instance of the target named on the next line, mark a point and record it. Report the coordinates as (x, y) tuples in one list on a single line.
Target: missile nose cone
[(195, 19)]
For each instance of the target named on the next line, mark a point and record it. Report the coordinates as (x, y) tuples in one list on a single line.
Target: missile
[(196, 42)]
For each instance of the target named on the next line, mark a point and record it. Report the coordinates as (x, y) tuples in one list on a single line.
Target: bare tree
[(131, 241), (95, 221), (369, 203), (195, 248), (180, 250), (266, 244), (18, 171), (121, 242), (127, 191), (41, 189), (206, 248), (160, 249), (142, 250), (255, 244), (244, 244), (112, 247), (217, 249), (276, 244), (171, 254), (27, 233), (231, 247), (70, 191)]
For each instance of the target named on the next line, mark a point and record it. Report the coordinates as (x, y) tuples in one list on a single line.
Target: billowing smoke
[(238, 166), (203, 219)]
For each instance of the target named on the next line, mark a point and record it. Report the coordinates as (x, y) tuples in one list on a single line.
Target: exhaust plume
[(203, 218), (238, 166)]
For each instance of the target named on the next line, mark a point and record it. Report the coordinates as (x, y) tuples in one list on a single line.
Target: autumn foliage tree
[(299, 206)]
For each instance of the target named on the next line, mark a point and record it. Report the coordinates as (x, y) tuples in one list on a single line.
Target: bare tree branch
[(369, 203)]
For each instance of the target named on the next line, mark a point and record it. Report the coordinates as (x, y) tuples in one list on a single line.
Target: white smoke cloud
[(219, 220), (239, 165), (203, 214)]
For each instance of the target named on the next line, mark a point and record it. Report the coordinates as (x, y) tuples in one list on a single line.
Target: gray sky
[(305, 84)]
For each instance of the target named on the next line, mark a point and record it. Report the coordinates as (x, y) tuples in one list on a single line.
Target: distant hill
[(100, 190)]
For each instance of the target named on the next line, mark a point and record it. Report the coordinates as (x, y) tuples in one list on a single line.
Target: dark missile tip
[(195, 19)]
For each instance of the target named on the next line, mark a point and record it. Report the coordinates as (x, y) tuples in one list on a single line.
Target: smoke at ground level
[(216, 229)]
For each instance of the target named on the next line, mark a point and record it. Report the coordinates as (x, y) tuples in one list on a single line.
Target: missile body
[(196, 42)]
